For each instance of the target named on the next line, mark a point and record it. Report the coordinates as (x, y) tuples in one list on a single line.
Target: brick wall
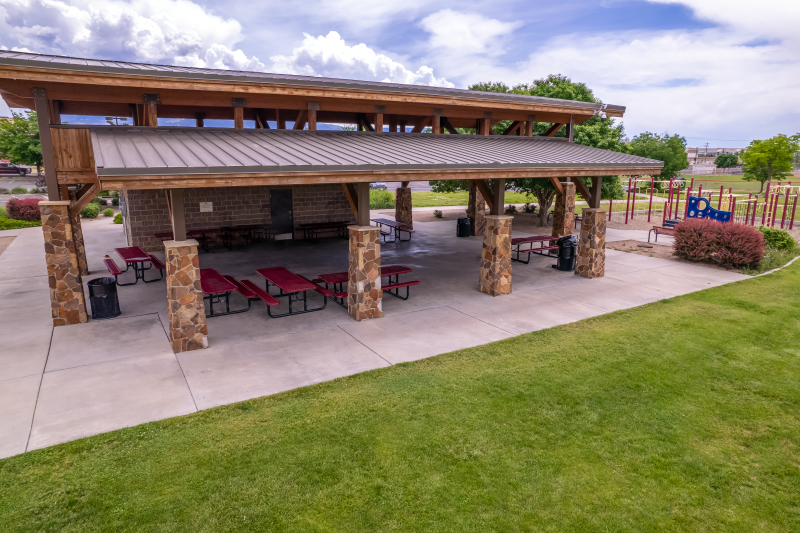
[(148, 213)]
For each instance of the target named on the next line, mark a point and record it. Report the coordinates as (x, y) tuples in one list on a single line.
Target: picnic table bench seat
[(516, 246), (294, 288), (252, 291), (661, 230), (313, 230), (112, 267)]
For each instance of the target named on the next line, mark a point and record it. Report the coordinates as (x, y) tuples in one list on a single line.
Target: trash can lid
[(101, 281)]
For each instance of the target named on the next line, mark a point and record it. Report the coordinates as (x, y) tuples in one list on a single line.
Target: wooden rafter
[(583, 190), (556, 185), (362, 121), (352, 199), (512, 128), (486, 192), (421, 124), (83, 197), (553, 129), (449, 127), (300, 121)]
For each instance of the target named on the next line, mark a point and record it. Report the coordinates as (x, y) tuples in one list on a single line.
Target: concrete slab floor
[(110, 374)]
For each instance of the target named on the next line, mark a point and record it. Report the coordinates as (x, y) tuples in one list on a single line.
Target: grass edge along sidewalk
[(681, 415)]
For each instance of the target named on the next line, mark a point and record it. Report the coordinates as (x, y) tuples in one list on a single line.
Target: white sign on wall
[(206, 207)]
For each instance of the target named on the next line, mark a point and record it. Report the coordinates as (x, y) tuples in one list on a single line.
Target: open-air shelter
[(164, 173)]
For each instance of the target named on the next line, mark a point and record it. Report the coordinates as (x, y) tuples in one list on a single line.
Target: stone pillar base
[(66, 287), (187, 313), (591, 258), (496, 257), (564, 212), (402, 207), (364, 295)]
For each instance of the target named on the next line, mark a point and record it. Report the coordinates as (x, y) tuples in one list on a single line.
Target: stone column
[(187, 314), (564, 212), (496, 258), (476, 210), (66, 287), (364, 293), (77, 236), (402, 206), (591, 258)]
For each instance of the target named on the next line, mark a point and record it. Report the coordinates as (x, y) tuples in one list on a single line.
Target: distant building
[(705, 155)]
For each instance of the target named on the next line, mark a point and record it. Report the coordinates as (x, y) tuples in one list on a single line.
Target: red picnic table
[(337, 283), (294, 287), (136, 257), (201, 235), (216, 287), (516, 246)]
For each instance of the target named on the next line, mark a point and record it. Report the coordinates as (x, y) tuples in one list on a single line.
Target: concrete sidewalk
[(70, 382)]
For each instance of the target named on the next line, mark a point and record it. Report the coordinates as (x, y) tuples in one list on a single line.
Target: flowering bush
[(24, 209), (729, 245)]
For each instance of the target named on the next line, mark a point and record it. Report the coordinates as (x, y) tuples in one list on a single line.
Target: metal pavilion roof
[(25, 59), (124, 151)]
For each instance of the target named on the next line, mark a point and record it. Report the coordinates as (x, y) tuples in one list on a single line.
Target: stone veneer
[(77, 236), (402, 206), (476, 210), (66, 288), (364, 293), (496, 257), (564, 212), (186, 311), (147, 211), (591, 258)]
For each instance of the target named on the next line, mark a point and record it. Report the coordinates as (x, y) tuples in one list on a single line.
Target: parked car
[(9, 168), (378, 185)]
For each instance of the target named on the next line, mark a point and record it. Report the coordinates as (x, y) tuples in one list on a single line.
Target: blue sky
[(716, 71)]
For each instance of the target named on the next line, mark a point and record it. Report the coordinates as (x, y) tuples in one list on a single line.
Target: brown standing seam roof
[(125, 151), (25, 59)]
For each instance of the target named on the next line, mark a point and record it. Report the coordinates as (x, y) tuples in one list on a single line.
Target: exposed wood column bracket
[(531, 126), (421, 124), (380, 110), (150, 110), (597, 190), (556, 185), (362, 123), (238, 105), (553, 130), (83, 197), (582, 190), (449, 127), (300, 121), (352, 197), (512, 128), (486, 192)]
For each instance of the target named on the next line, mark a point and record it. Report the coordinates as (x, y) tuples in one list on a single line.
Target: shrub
[(115, 201), (118, 219), (738, 246), (437, 213), (108, 212), (7, 223), (380, 199), (511, 209), (529, 207), (99, 201), (27, 209), (19, 190), (695, 239), (3, 190), (115, 194), (36, 190), (90, 211), (778, 238), (103, 193)]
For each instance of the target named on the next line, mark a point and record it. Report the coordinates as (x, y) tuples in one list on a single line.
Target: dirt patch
[(5, 242), (449, 214)]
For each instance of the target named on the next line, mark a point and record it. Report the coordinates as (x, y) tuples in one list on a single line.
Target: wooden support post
[(597, 185), (280, 120), (199, 119), (437, 122), (46, 141), (380, 110), (571, 131), (582, 189), (486, 125), (393, 123), (178, 215), (350, 193), (313, 107), (487, 194), (530, 126), (512, 128), (151, 102), (238, 118), (260, 118), (404, 183), (64, 191), (556, 185), (55, 116), (362, 202), (300, 121), (133, 109), (499, 196), (403, 124), (421, 124)]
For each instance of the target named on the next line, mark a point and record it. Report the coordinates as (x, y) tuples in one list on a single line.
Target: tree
[(671, 149), (19, 140), (727, 160), (773, 158)]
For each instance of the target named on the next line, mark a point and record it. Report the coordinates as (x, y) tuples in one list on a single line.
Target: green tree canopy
[(726, 160), (19, 139), (773, 158), (671, 149)]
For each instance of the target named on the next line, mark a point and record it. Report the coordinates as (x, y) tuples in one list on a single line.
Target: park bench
[(313, 231), (661, 230), (517, 243)]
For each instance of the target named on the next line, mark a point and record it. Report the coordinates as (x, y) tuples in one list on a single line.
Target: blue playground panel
[(700, 208)]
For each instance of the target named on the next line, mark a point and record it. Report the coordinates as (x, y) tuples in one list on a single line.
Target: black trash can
[(567, 247), (463, 227), (103, 297)]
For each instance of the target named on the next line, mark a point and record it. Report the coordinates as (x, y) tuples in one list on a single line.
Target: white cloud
[(329, 55), (467, 33), (157, 31)]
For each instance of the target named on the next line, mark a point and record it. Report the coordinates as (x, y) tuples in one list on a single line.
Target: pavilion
[(164, 173)]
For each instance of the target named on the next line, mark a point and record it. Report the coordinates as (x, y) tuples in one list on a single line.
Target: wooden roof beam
[(553, 129)]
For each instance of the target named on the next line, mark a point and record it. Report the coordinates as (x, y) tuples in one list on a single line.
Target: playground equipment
[(645, 196), (701, 208)]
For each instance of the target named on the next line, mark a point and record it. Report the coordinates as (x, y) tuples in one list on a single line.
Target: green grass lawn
[(682, 415), (439, 199)]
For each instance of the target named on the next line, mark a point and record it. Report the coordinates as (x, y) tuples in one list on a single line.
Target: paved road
[(9, 182)]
